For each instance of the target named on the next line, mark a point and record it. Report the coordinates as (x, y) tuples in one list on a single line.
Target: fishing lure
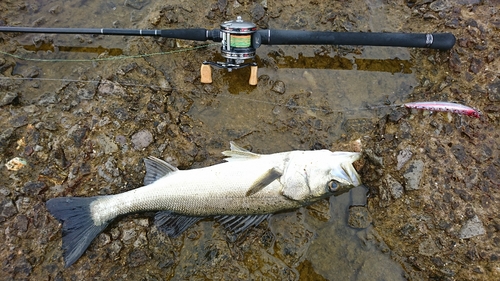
[(444, 106)]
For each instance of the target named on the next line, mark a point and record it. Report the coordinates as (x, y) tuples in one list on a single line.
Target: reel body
[(239, 43)]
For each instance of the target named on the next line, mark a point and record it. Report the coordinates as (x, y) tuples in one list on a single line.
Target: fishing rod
[(240, 39)]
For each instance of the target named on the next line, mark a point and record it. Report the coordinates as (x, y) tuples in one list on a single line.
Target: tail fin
[(78, 228)]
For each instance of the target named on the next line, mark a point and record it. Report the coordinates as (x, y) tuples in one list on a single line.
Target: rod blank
[(441, 41)]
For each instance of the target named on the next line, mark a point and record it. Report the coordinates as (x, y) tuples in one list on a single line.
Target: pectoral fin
[(267, 178)]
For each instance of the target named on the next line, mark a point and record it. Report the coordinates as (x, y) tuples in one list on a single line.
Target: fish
[(444, 106), (239, 193)]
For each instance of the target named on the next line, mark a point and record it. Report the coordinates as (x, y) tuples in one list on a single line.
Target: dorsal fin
[(156, 169), (239, 153)]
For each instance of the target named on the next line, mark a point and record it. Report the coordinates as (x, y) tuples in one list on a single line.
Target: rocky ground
[(82, 127)]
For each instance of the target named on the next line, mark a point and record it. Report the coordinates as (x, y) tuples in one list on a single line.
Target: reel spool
[(238, 44)]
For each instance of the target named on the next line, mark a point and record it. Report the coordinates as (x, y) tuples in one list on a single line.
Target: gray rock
[(359, 217), (136, 4), (18, 121), (440, 5), (394, 187), (403, 157), (107, 144), (48, 98), (413, 175), (7, 98), (494, 91), (279, 87), (129, 235), (472, 228), (85, 94), (107, 87), (7, 208), (428, 248), (142, 139)]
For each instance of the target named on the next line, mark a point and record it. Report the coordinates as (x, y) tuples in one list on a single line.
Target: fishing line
[(229, 96), (121, 57)]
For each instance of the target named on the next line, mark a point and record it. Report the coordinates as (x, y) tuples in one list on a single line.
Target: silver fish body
[(239, 193)]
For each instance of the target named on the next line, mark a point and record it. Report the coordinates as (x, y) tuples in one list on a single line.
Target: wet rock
[(121, 113), (57, 9), (114, 249), (222, 4), (22, 268), (7, 208), (428, 248), (5, 136), (33, 187), (375, 159), (494, 91), (142, 139), (472, 228), (360, 125), (476, 65), (440, 5), (20, 224), (60, 157), (107, 87), (137, 258), (128, 235), (455, 62), (48, 98), (258, 12), (85, 94), (403, 157), (141, 240), (31, 72), (107, 145), (394, 187), (459, 151), (413, 175), (77, 133), (298, 21), (493, 174), (19, 121), (136, 4), (7, 98), (279, 87), (359, 217), (397, 114)]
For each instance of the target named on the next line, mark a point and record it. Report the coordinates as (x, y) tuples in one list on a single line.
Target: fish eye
[(333, 185)]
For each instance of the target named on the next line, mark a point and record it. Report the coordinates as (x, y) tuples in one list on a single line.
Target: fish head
[(313, 175), (334, 174)]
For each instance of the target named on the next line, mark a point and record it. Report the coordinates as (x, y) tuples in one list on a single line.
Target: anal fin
[(238, 224), (172, 224)]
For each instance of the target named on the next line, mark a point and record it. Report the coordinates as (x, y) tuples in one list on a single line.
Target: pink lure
[(444, 106)]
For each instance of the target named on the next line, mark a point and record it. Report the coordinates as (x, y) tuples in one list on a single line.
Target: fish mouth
[(345, 173)]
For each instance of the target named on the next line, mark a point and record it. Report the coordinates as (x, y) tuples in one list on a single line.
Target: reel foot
[(253, 75), (206, 74)]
